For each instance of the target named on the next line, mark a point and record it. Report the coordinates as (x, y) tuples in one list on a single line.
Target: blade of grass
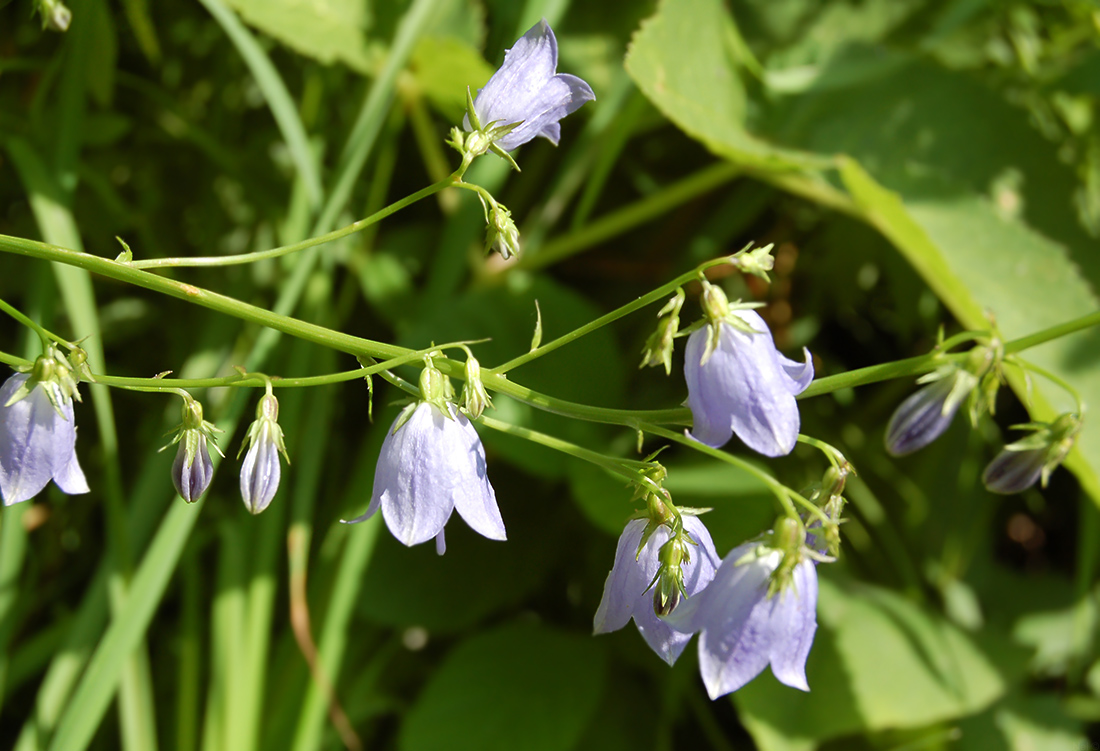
[(275, 92)]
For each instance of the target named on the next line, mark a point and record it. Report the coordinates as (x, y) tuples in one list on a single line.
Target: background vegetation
[(917, 163)]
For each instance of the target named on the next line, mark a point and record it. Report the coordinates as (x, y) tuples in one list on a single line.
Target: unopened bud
[(475, 399)]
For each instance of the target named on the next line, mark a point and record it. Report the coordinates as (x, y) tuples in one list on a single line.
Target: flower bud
[(925, 415), (55, 16), (192, 469), (475, 399), (502, 234), (757, 262), (260, 471), (1020, 464)]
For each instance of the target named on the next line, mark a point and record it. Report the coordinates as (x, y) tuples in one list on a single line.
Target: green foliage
[(917, 164)]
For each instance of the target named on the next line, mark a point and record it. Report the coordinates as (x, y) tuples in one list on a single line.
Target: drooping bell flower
[(739, 383), (260, 470), (926, 414), (192, 469), (38, 431), (1021, 464), (527, 93), (432, 463), (631, 587), (748, 618)]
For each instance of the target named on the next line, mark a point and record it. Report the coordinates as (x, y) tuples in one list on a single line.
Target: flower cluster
[(754, 608)]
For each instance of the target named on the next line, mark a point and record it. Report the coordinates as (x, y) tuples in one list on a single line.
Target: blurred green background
[(917, 164)]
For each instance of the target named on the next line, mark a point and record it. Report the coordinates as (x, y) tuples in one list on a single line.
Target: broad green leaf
[(520, 686), (682, 58), (1022, 723), (878, 662), (326, 30)]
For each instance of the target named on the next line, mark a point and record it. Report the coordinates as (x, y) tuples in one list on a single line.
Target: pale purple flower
[(37, 442), (745, 387), (260, 470), (627, 593), (1014, 471), (429, 466), (742, 629), (926, 414), (527, 90), (191, 474)]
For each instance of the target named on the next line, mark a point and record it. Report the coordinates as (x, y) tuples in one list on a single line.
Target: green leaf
[(521, 686), (683, 60), (326, 30), (878, 662)]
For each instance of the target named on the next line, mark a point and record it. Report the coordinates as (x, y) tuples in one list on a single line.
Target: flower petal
[(625, 582), (794, 622), (526, 90), (35, 442), (411, 480), (699, 570), (1014, 471), (71, 478), (560, 96), (260, 472), (801, 374), (745, 385), (921, 418), (710, 419), (473, 495), (736, 640)]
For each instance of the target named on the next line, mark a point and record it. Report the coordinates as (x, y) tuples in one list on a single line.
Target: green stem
[(253, 380), (43, 333), (624, 467), (1054, 332), (614, 315), (497, 382), (452, 180), (1039, 371)]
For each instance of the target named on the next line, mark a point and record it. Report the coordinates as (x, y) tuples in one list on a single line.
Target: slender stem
[(622, 467), (497, 382), (1039, 371), (253, 380), (1054, 332), (454, 179), (614, 315), (831, 452), (43, 333)]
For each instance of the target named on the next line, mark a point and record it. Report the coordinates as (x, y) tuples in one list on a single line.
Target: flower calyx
[(718, 310), (757, 261), (55, 374), (475, 399), (658, 347)]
